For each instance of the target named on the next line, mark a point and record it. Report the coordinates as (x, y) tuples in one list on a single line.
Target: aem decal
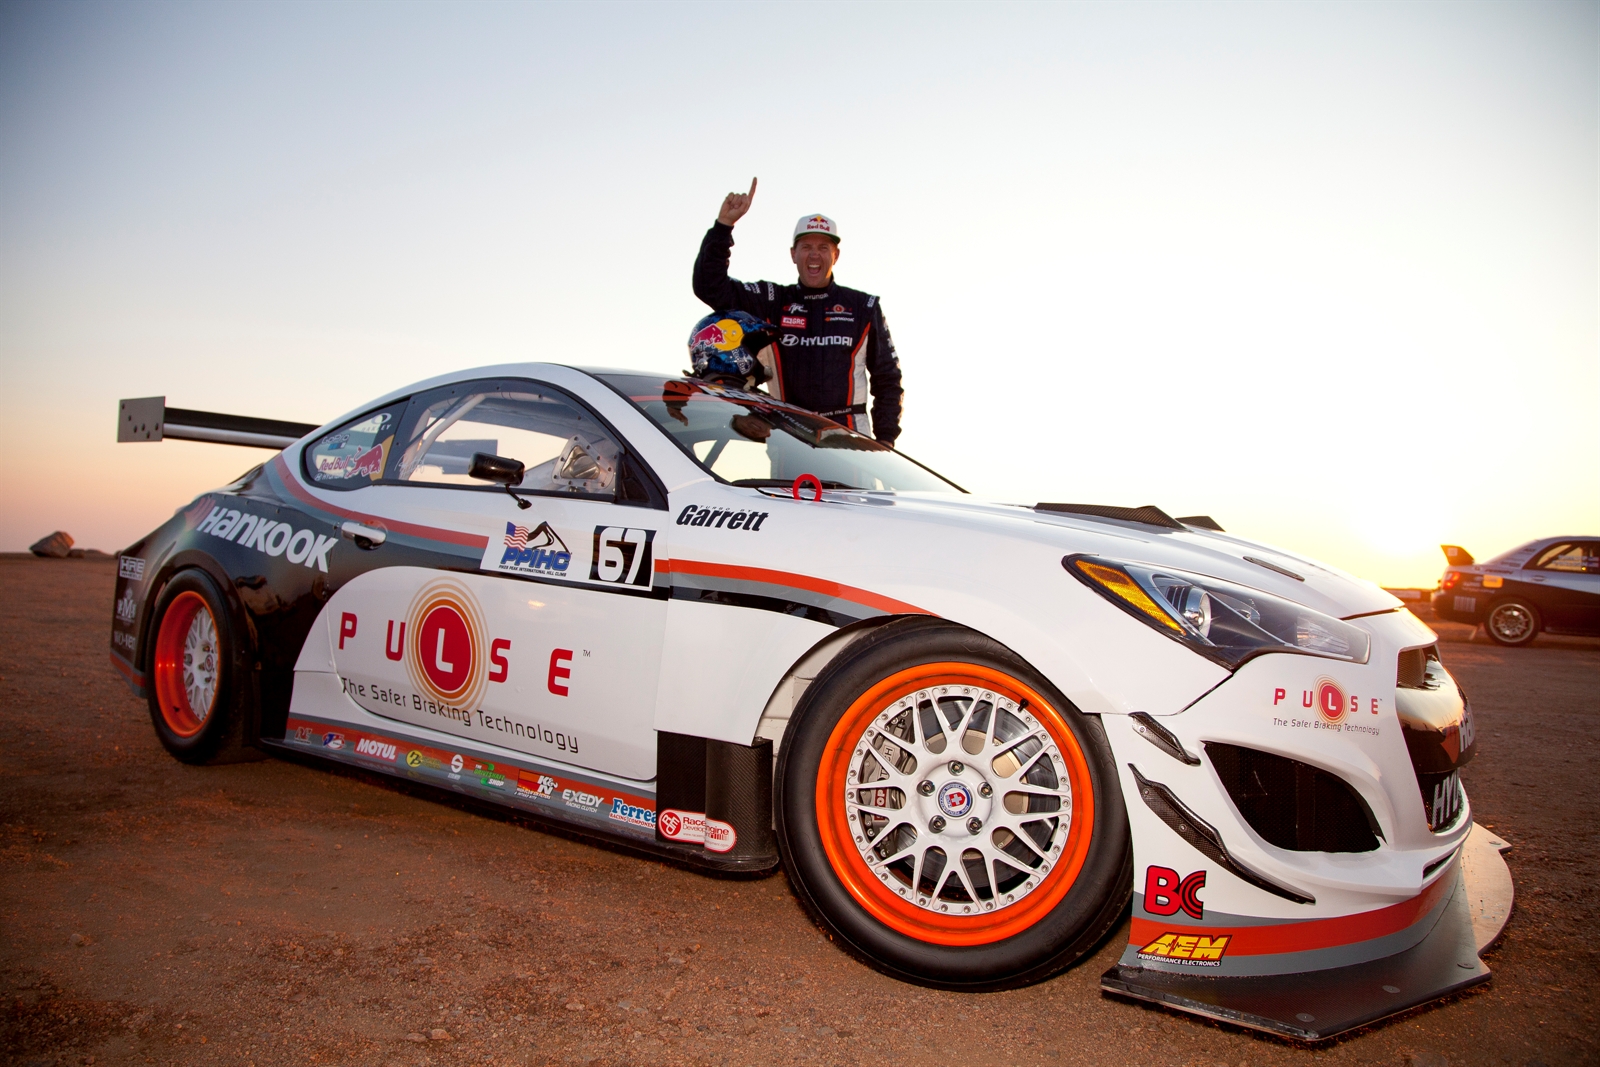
[(1193, 950)]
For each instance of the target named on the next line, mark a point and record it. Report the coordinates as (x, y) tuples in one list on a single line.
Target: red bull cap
[(816, 224)]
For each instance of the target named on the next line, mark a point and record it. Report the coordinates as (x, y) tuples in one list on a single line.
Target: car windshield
[(751, 439)]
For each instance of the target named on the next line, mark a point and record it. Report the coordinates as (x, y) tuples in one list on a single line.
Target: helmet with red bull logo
[(727, 345)]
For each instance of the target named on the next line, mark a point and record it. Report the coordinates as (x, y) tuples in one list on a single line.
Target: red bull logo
[(724, 335), (368, 463)]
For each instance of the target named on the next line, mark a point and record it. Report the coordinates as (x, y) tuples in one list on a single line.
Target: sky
[(1327, 273)]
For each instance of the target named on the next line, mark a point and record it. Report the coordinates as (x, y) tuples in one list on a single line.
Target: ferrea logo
[(376, 749), (1165, 892), (622, 811), (446, 645), (1193, 950)]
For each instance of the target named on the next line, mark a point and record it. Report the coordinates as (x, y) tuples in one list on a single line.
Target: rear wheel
[(949, 815), (194, 691), (1512, 622)]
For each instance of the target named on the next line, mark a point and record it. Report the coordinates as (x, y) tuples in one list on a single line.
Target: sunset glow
[(1326, 273)]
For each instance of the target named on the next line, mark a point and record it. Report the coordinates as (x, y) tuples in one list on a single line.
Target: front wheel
[(195, 689), (1512, 622), (948, 815)]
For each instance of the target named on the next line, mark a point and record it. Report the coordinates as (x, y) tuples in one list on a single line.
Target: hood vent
[(1149, 515)]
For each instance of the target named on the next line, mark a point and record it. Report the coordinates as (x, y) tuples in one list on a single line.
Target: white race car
[(716, 627)]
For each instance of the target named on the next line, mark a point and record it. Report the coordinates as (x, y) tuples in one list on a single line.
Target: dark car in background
[(1551, 585)]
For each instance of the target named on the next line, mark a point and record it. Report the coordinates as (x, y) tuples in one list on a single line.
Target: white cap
[(816, 224)]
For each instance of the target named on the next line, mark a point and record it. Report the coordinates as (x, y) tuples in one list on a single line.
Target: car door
[(1565, 584), (550, 644)]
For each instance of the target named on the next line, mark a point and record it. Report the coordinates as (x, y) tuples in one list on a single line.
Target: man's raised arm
[(711, 282)]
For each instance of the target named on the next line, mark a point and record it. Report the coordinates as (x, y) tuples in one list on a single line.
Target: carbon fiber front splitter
[(1318, 1005)]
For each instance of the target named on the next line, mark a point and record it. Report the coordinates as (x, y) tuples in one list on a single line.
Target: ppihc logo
[(525, 551)]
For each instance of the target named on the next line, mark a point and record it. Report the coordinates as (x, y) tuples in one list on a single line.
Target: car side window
[(356, 453), (562, 446), (1571, 558)]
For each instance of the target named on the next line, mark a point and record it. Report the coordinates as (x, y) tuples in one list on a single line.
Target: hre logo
[(1165, 892)]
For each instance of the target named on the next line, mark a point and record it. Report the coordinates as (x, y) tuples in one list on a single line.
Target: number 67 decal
[(622, 555)]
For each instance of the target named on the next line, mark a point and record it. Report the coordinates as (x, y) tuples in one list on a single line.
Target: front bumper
[(1284, 857), (1317, 1005)]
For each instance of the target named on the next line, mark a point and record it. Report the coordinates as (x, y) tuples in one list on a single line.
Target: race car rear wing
[(149, 419)]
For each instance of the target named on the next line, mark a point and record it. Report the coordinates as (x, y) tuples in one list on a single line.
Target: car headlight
[(1222, 621)]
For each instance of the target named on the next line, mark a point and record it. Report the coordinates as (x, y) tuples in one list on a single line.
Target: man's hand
[(734, 205)]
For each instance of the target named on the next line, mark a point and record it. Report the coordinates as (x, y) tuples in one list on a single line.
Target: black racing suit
[(830, 340)]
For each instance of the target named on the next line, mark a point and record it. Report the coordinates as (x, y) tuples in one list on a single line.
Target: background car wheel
[(948, 815), (1512, 622), (194, 691)]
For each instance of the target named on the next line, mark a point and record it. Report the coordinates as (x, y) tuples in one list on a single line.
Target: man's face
[(814, 256)]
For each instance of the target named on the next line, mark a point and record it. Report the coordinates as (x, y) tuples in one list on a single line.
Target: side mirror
[(502, 469)]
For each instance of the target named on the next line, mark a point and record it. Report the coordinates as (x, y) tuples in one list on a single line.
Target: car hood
[(1220, 555)]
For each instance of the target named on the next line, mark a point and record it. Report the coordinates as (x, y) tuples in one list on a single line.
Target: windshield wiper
[(781, 483)]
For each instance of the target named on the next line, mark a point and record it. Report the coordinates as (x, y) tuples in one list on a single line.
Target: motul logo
[(377, 749)]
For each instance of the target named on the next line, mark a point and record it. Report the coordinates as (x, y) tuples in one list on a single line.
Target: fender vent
[(1294, 805)]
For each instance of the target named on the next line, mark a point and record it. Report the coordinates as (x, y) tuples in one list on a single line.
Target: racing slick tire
[(196, 675), (923, 741), (1512, 622)]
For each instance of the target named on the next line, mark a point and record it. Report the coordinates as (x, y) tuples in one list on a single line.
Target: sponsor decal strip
[(134, 676), (878, 604), (508, 783), (1310, 934), (279, 468)]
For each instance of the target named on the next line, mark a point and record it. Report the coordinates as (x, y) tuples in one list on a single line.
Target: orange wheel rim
[(954, 910), (186, 671)]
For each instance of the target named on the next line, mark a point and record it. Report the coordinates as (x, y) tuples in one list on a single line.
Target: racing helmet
[(728, 347)]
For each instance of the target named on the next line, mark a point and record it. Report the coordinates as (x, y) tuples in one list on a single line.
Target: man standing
[(831, 340)]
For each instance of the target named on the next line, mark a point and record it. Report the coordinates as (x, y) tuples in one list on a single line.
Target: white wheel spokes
[(200, 664), (995, 763)]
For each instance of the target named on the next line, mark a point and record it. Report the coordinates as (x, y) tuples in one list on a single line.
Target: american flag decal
[(541, 536)]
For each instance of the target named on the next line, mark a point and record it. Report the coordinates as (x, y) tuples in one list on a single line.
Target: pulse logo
[(446, 659)]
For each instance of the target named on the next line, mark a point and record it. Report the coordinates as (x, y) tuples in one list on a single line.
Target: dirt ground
[(272, 913)]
